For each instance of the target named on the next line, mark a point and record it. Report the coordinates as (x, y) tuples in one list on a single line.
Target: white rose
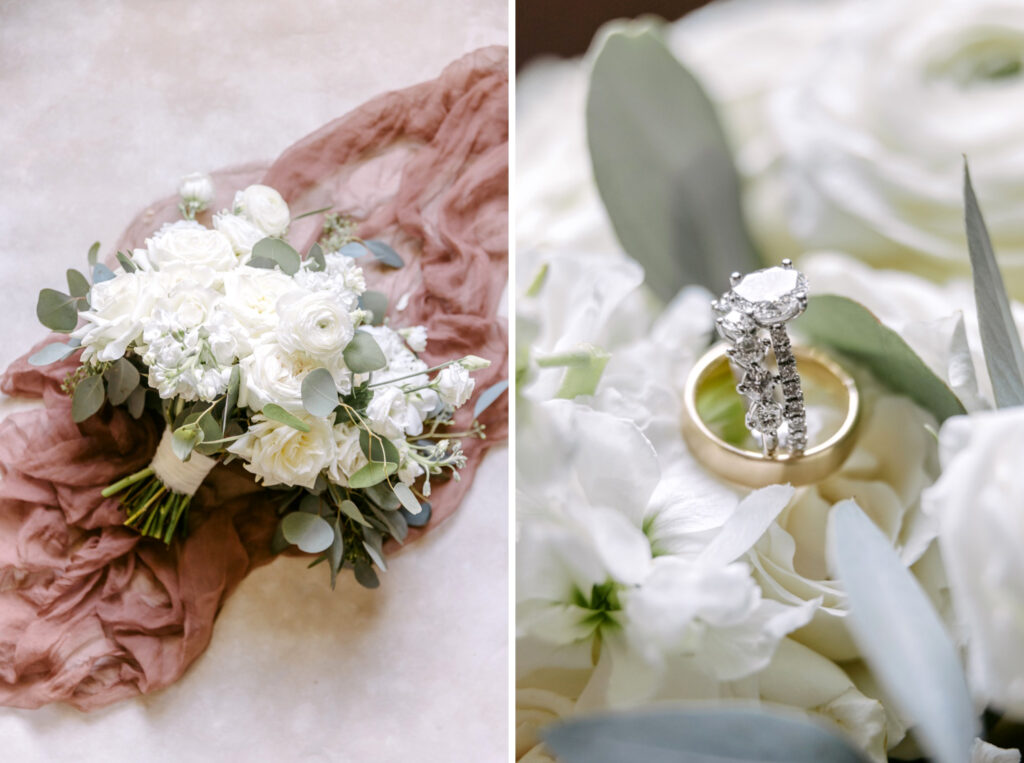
[(415, 337), (349, 456), (198, 189), (392, 415), (251, 295), (455, 385), (265, 208), (271, 374), (280, 455), (187, 250), (314, 323), (119, 309), (977, 504), (242, 234)]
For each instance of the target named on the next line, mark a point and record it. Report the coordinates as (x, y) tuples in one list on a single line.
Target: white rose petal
[(251, 295), (315, 324), (264, 207), (117, 315), (280, 455), (242, 234)]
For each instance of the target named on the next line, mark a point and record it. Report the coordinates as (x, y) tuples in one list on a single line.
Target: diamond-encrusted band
[(752, 316)]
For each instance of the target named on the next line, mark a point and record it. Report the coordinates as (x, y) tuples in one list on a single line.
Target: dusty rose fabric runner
[(89, 613)]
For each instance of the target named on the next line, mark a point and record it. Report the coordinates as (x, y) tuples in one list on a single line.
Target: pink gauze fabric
[(89, 613)]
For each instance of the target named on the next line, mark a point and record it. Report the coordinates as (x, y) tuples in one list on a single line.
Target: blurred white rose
[(977, 505), (117, 314), (185, 250), (251, 295), (271, 374), (281, 455), (349, 456), (242, 234), (264, 207), (314, 323), (455, 385), (391, 414), (197, 189)]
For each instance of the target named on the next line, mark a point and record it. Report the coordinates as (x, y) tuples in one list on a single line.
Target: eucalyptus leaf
[(319, 393), (94, 253), (78, 285), (418, 520), (1004, 355), (663, 167), (336, 553), (385, 254), (231, 396), (211, 433), (383, 496), (371, 474), (409, 501), (122, 379), (365, 574), (278, 543), (720, 735), (372, 543), (311, 504), (277, 413), (126, 262), (88, 398), (363, 354), (57, 310), (376, 303), (184, 441), (137, 402), (101, 273), (350, 510), (316, 256), (900, 636), (394, 523), (311, 533), (377, 448), (268, 252), (851, 329), (311, 212), (51, 353), (488, 396), (354, 249)]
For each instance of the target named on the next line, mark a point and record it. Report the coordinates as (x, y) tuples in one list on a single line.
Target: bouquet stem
[(156, 499)]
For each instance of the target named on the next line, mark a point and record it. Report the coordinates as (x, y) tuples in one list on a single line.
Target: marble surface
[(109, 104)]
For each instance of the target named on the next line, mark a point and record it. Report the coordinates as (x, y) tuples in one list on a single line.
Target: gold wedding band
[(751, 467)]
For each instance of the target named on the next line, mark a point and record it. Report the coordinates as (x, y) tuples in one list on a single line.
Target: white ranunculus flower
[(117, 314), (977, 505), (271, 374), (197, 188), (314, 323), (265, 208), (242, 234), (186, 250), (455, 385), (251, 295), (349, 456), (281, 455)]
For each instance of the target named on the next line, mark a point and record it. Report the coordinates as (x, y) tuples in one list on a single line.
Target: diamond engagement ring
[(752, 316)]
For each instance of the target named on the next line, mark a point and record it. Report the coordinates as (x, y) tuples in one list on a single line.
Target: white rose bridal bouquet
[(716, 565), (249, 351)]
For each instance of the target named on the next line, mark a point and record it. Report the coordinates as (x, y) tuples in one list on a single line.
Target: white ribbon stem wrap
[(183, 477)]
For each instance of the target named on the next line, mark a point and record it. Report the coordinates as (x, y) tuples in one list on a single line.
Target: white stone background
[(106, 103)]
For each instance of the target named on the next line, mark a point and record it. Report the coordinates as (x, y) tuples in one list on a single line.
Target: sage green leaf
[(377, 448), (51, 353), (720, 735), (137, 402), (385, 254), (101, 273), (363, 354), (354, 249), (231, 396), (409, 501), (126, 262), (418, 520), (269, 252), (57, 311), (311, 212), (663, 167), (78, 285), (184, 441), (94, 253), (336, 553), (319, 392), (488, 396), (372, 543), (851, 329), (88, 398), (212, 433), (278, 543), (309, 532), (277, 413), (365, 575), (311, 504), (383, 496), (371, 474), (350, 510), (901, 637), (394, 522), (377, 304), (316, 256), (1004, 355), (122, 379)]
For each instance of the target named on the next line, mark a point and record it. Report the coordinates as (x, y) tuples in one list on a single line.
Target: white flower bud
[(196, 190)]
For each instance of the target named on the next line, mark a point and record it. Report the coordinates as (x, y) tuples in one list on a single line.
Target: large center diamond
[(772, 295)]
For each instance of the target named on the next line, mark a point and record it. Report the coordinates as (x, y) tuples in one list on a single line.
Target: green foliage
[(122, 379), (311, 533), (57, 311), (316, 257), (271, 252), (319, 393), (371, 474), (377, 448), (363, 354), (376, 303), (78, 285), (51, 353), (384, 253), (88, 398), (279, 414)]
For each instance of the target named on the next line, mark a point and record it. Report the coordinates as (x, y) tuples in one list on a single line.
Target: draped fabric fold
[(89, 612)]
